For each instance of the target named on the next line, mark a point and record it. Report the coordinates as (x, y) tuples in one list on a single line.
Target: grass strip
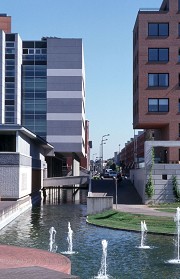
[(127, 221), (166, 205)]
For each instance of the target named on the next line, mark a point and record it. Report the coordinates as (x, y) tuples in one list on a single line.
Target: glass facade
[(34, 86)]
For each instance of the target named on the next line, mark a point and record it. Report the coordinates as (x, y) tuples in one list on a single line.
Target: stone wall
[(98, 204), (162, 175), (15, 175)]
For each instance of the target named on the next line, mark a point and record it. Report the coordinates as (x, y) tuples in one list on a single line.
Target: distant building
[(132, 155)]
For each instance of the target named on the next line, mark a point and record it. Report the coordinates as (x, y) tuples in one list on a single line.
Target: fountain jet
[(177, 220), (143, 235), (69, 240), (52, 245), (102, 274)]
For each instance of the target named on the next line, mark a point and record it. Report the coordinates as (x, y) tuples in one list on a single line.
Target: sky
[(106, 27)]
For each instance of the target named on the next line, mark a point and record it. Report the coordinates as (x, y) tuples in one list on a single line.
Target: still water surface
[(124, 259)]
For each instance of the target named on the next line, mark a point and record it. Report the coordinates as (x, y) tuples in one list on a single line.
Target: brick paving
[(33, 272), (34, 261)]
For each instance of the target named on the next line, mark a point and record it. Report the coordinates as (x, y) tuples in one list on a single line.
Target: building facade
[(42, 88), (132, 155), (156, 75)]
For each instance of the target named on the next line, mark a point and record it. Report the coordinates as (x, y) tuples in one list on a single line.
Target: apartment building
[(156, 76), (42, 88)]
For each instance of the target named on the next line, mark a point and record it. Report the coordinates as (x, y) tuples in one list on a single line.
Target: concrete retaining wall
[(138, 178), (99, 204), (162, 175), (15, 175), (10, 210)]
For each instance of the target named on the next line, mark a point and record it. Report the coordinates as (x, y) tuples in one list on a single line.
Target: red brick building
[(5, 23), (133, 152), (156, 75)]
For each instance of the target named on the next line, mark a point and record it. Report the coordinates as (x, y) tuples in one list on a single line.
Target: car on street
[(112, 174)]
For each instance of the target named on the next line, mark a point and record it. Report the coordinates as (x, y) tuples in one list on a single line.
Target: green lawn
[(166, 205), (127, 221)]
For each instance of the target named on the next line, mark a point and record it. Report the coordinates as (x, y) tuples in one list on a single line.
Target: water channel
[(124, 259)]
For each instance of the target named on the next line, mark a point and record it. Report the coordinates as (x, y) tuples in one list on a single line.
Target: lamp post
[(102, 142)]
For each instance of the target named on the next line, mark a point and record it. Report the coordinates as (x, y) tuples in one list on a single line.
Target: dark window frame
[(158, 55), (158, 83), (158, 105), (158, 29)]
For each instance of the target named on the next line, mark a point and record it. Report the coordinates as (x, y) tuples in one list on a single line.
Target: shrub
[(176, 190), (149, 188)]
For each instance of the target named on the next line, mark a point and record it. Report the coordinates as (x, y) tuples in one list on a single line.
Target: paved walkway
[(141, 209), (128, 199)]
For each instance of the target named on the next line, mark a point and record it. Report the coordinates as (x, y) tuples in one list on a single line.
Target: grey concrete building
[(42, 90)]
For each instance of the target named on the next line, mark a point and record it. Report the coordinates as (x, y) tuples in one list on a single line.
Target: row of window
[(160, 55), (34, 51), (157, 55), (160, 29), (160, 105), (10, 83), (156, 80)]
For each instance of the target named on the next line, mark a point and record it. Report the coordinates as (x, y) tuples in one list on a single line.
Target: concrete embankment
[(9, 210), (19, 262)]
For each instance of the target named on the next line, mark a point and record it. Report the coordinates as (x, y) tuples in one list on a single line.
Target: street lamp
[(102, 142)]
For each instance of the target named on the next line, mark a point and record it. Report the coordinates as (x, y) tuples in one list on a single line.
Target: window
[(158, 29), (10, 44), (164, 176), (158, 80), (10, 37), (158, 54), (158, 105)]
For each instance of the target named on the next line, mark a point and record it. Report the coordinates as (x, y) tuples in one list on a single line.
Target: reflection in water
[(124, 260)]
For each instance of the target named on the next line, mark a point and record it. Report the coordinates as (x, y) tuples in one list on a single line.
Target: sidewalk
[(141, 209)]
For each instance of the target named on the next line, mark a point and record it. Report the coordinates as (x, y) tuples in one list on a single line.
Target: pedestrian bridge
[(68, 181)]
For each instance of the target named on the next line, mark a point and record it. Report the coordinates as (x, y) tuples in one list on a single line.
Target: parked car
[(106, 173), (112, 173)]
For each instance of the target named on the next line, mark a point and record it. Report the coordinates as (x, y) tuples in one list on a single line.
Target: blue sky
[(106, 28)]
